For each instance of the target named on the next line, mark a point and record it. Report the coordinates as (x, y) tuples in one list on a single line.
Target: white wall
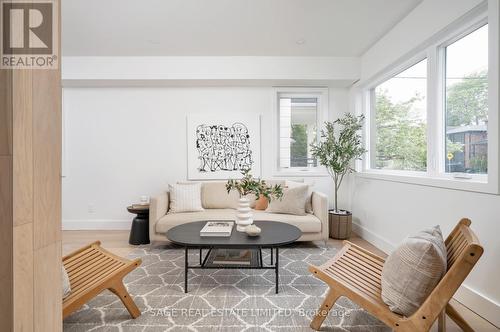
[(425, 20), (295, 70), (121, 143), (386, 212)]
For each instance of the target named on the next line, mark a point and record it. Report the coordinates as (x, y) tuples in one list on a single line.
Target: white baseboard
[(375, 239), (480, 304), (95, 224)]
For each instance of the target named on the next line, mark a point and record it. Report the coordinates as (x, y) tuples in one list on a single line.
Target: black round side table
[(139, 232)]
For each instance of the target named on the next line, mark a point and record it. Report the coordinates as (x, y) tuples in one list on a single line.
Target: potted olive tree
[(246, 187), (340, 145)]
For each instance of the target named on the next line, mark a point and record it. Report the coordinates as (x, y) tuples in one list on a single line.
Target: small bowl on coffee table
[(252, 230)]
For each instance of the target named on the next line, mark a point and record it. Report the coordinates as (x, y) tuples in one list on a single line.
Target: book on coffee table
[(232, 257), (217, 228)]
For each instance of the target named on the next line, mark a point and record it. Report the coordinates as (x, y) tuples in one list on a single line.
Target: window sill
[(478, 184), (300, 173)]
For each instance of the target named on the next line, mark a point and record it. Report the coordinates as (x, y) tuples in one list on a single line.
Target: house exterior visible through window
[(466, 81), (428, 115), (299, 117)]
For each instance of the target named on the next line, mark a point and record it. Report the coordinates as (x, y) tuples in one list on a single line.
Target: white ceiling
[(227, 27)]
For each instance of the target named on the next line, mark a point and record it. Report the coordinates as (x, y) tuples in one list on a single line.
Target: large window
[(299, 117), (466, 81), (400, 121), (428, 116)]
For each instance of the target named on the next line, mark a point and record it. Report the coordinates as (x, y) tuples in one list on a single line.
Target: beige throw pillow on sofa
[(292, 184), (292, 202), (214, 195), (411, 272), (185, 197)]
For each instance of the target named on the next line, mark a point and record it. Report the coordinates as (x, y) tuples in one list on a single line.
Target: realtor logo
[(29, 34)]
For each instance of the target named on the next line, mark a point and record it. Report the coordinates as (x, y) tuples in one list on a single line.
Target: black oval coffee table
[(274, 234)]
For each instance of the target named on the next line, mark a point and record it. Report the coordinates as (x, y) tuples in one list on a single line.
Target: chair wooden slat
[(109, 266), (85, 257), (356, 280), (455, 244), (101, 268), (349, 281), (377, 268), (78, 253), (361, 274), (356, 273), (364, 269), (84, 265), (91, 270), (456, 254), (82, 287)]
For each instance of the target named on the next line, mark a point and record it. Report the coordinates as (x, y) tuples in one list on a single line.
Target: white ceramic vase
[(244, 215)]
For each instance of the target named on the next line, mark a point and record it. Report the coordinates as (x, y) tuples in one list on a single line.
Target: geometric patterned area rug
[(221, 300)]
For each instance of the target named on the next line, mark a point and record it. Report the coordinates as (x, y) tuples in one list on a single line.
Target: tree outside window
[(400, 119), (467, 103)]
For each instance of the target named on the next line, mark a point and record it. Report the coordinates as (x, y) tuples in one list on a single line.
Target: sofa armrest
[(158, 207), (320, 209)]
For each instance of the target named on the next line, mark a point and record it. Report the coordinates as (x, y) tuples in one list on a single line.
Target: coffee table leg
[(185, 269), (277, 269), (201, 254), (271, 256)]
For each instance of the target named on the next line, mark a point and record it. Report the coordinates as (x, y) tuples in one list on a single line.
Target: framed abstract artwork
[(222, 147)]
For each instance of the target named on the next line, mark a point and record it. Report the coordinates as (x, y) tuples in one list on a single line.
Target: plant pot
[(340, 224), (244, 215)]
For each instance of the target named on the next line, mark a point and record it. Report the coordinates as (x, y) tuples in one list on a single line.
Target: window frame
[(434, 51), (421, 56), (321, 117), (441, 166)]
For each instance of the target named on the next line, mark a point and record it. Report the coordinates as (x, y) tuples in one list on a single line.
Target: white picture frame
[(221, 147)]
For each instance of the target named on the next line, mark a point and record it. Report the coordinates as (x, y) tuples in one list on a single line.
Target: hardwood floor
[(117, 242), (114, 241)]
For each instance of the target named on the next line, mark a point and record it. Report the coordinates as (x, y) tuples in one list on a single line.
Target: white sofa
[(219, 205)]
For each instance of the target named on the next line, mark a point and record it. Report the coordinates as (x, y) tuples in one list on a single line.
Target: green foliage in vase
[(256, 186), (340, 145)]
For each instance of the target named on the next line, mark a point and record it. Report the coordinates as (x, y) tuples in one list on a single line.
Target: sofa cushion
[(185, 197), (293, 201), (293, 184), (214, 195), (307, 224)]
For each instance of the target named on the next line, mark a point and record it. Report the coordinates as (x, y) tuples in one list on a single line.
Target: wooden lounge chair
[(356, 273), (93, 269)]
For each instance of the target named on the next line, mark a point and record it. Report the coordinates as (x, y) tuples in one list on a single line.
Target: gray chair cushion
[(65, 282), (411, 272)]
